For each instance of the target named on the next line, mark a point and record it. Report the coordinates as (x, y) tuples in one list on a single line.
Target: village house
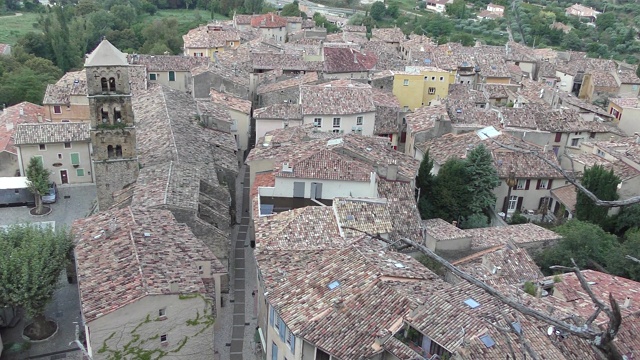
[(388, 122), (62, 148), (626, 112), (347, 63), (340, 106), (270, 26), (5, 49), (145, 281), (419, 86), (10, 118), (425, 123), (169, 70), (628, 82), (492, 12), (240, 111), (534, 178), (621, 156), (392, 36), (283, 91), (277, 116), (66, 100), (416, 49), (438, 6), (231, 80), (208, 40), (582, 11)]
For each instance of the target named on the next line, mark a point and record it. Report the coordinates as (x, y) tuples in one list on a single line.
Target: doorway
[(64, 178)]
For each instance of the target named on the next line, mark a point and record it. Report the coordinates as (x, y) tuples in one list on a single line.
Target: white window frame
[(513, 203), (337, 122), (544, 183), (57, 109), (521, 184), (359, 120), (405, 82), (317, 122), (576, 140), (164, 339)]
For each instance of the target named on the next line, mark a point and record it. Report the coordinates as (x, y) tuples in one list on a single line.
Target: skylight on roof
[(472, 303), (488, 132), (399, 265), (517, 327), (350, 217), (334, 284), (337, 141), (487, 340)]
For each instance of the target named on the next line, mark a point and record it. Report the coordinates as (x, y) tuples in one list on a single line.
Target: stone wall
[(102, 138), (113, 175), (291, 95), (202, 84), (385, 83)]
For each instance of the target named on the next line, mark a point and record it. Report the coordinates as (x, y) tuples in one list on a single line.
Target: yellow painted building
[(419, 86)]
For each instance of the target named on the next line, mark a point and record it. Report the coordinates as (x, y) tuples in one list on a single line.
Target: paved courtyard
[(74, 202)]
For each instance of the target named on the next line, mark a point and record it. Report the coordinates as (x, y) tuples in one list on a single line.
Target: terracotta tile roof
[(214, 110), (387, 112), (422, 119), (210, 36), (390, 35), (290, 62), (541, 118), (626, 148), (169, 184), (567, 196), (518, 234), (242, 19), (44, 133), (369, 215), (279, 111), (307, 78), (234, 73), (626, 102), (231, 101), (526, 166), (354, 28), (339, 60), (168, 62), (125, 254), (388, 56), (442, 230), (167, 130), (400, 350), (308, 228), (10, 118), (501, 264), (70, 84), (339, 97), (569, 294), (627, 341), (269, 20), (628, 76), (580, 62), (327, 165), (621, 169)]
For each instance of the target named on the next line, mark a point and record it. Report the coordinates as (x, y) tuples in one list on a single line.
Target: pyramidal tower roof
[(106, 55)]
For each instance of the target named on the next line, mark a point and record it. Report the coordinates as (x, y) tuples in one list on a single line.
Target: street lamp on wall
[(511, 182)]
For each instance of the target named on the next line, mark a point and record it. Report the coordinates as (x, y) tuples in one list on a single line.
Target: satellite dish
[(551, 330)]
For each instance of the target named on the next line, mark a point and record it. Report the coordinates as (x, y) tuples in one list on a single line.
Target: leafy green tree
[(628, 218), (66, 55), (38, 180), (377, 10), (125, 16), (291, 9), (22, 85), (450, 191), (253, 6), (322, 21), (36, 44), (619, 264), (457, 9), (162, 34), (393, 10), (483, 178), (586, 243), (603, 184), (475, 221), (606, 20), (638, 71), (424, 180), (31, 261), (85, 7), (462, 38)]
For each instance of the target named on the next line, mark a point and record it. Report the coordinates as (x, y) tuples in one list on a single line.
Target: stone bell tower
[(113, 132)]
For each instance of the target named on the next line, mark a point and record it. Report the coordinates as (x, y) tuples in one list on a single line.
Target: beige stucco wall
[(278, 34), (182, 79), (76, 111), (628, 90), (448, 245), (8, 164), (243, 126), (284, 352), (347, 122), (566, 81), (531, 197), (330, 188), (630, 120), (50, 156), (120, 324)]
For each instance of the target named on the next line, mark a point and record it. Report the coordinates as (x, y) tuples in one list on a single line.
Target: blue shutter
[(271, 315), (292, 340), (274, 351), (282, 330)]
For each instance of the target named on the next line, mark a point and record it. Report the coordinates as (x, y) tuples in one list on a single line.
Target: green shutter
[(75, 159), (79, 172), (172, 76)]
